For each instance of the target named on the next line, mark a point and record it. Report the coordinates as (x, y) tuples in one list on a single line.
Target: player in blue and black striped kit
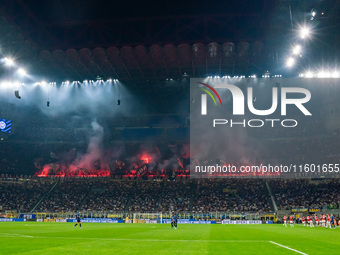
[(174, 219), (78, 220)]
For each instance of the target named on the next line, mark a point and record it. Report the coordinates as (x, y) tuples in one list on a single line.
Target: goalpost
[(147, 218)]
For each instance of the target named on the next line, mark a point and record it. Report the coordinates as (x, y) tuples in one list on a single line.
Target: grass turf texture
[(105, 238)]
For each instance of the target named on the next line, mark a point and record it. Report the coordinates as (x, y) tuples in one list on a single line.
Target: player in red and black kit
[(303, 219), (285, 221), (328, 221), (316, 220), (291, 221), (323, 220), (308, 220)]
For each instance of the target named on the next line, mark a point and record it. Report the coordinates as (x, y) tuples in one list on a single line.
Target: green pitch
[(105, 238)]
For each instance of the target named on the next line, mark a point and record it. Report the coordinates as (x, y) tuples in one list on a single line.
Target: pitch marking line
[(141, 240), (288, 248), (14, 235)]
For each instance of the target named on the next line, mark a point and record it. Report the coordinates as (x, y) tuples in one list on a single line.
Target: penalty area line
[(286, 247)]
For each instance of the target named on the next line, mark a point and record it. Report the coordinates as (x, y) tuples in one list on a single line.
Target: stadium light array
[(323, 74), (309, 75), (320, 74), (10, 84), (6, 84), (336, 74)]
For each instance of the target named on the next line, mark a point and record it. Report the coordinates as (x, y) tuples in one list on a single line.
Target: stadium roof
[(144, 40)]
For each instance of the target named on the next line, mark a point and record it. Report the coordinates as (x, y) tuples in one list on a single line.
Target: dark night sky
[(37, 18), (83, 11), (39, 21)]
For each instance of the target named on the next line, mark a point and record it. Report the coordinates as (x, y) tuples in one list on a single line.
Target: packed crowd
[(22, 195), (66, 196), (176, 196), (108, 195), (239, 195), (305, 193), (197, 196)]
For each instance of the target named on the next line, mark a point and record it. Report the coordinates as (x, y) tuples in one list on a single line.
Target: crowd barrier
[(96, 220), (154, 221), (12, 219), (241, 222), (191, 221), (28, 216)]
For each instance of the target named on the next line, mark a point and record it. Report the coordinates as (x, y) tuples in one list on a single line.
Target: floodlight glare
[(309, 74), (336, 74), (296, 50), (22, 71), (7, 84), (8, 62), (324, 74), (290, 62), (304, 32)]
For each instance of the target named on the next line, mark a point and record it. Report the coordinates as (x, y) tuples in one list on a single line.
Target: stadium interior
[(95, 108)]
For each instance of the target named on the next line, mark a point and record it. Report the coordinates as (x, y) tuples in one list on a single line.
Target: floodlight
[(304, 32), (8, 62), (290, 62), (22, 71), (296, 50)]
